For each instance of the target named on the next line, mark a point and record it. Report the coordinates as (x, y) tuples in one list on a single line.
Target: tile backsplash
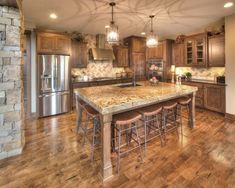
[(203, 73), (96, 69)]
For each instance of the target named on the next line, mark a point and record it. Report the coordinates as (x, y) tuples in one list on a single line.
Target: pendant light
[(112, 30), (152, 40)]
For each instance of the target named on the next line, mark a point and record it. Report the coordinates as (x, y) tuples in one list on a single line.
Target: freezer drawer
[(54, 103)]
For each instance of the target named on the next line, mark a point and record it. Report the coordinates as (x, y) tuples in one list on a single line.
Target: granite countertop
[(101, 79), (204, 81), (114, 99)]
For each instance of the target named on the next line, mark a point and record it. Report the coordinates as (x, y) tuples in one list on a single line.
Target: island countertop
[(114, 99)]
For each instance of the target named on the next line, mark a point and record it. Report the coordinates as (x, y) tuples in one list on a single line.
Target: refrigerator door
[(62, 73), (53, 73), (54, 103)]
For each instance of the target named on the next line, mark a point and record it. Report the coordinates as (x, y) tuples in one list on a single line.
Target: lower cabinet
[(209, 96), (214, 98)]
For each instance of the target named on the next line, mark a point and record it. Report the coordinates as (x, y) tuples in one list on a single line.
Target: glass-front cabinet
[(195, 49)]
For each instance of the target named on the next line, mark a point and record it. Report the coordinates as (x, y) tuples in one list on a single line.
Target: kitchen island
[(114, 99)]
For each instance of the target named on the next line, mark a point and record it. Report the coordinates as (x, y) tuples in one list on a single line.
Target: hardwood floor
[(54, 157)]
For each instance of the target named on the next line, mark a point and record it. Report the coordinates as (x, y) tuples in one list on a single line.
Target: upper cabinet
[(136, 53), (51, 43), (216, 51), (195, 50), (178, 54), (155, 53), (79, 54), (121, 56)]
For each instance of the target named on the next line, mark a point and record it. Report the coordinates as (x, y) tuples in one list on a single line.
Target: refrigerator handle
[(52, 94)]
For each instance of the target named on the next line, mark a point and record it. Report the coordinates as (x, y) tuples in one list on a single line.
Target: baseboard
[(230, 116)]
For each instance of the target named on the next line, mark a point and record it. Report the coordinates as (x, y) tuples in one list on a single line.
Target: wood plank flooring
[(54, 157)]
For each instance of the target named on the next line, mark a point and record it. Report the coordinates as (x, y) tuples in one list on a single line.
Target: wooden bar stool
[(152, 117), (184, 102), (126, 124), (170, 117), (93, 116)]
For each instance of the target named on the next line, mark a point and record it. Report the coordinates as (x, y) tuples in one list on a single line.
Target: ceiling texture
[(172, 17)]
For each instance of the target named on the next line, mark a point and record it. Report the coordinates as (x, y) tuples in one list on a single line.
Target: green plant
[(188, 74)]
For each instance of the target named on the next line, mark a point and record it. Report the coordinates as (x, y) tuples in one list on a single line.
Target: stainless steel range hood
[(100, 53)]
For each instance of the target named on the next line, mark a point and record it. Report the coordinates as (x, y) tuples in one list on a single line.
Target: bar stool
[(81, 104), (126, 124), (93, 116), (170, 117), (152, 117), (184, 102)]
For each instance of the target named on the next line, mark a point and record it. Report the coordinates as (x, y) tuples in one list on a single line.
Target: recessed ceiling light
[(228, 4), (53, 16), (107, 26), (143, 33)]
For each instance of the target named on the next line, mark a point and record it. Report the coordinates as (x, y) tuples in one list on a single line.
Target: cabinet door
[(138, 45), (79, 55), (125, 60), (45, 43), (214, 98), (63, 45), (217, 51), (155, 53), (178, 55), (189, 51), (139, 65), (200, 51), (121, 56)]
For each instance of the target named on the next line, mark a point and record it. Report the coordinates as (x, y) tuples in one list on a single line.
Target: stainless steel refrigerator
[(53, 84)]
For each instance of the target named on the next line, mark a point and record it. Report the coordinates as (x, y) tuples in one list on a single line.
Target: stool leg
[(119, 144), (188, 111), (93, 138), (181, 121), (175, 122), (138, 140), (85, 129), (145, 136), (159, 130)]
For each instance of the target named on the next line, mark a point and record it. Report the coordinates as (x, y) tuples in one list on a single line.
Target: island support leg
[(106, 166), (192, 111)]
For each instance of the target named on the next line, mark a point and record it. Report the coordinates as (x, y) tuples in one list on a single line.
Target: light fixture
[(228, 4), (112, 31), (172, 73), (143, 33), (152, 40), (53, 16)]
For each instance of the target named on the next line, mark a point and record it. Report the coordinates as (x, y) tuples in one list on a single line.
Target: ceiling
[(173, 17)]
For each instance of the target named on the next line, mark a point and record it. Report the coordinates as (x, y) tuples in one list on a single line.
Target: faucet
[(134, 77)]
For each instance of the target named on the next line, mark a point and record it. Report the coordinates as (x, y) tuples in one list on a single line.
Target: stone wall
[(11, 85)]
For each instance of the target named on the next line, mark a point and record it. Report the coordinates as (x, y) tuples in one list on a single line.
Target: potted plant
[(188, 75)]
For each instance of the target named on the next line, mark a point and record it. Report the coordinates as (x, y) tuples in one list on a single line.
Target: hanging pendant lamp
[(112, 30), (152, 39)]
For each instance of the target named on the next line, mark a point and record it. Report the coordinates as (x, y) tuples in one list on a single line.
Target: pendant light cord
[(112, 4)]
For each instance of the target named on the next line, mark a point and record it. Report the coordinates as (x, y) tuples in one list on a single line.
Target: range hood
[(100, 53)]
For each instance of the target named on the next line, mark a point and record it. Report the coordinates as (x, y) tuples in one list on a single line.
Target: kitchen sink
[(128, 85)]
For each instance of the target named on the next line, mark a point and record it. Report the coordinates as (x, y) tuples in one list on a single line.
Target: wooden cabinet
[(196, 50), (79, 54), (155, 53), (199, 100), (178, 55), (50, 43), (214, 98), (137, 60), (216, 51), (139, 65), (121, 56), (138, 44), (209, 96)]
